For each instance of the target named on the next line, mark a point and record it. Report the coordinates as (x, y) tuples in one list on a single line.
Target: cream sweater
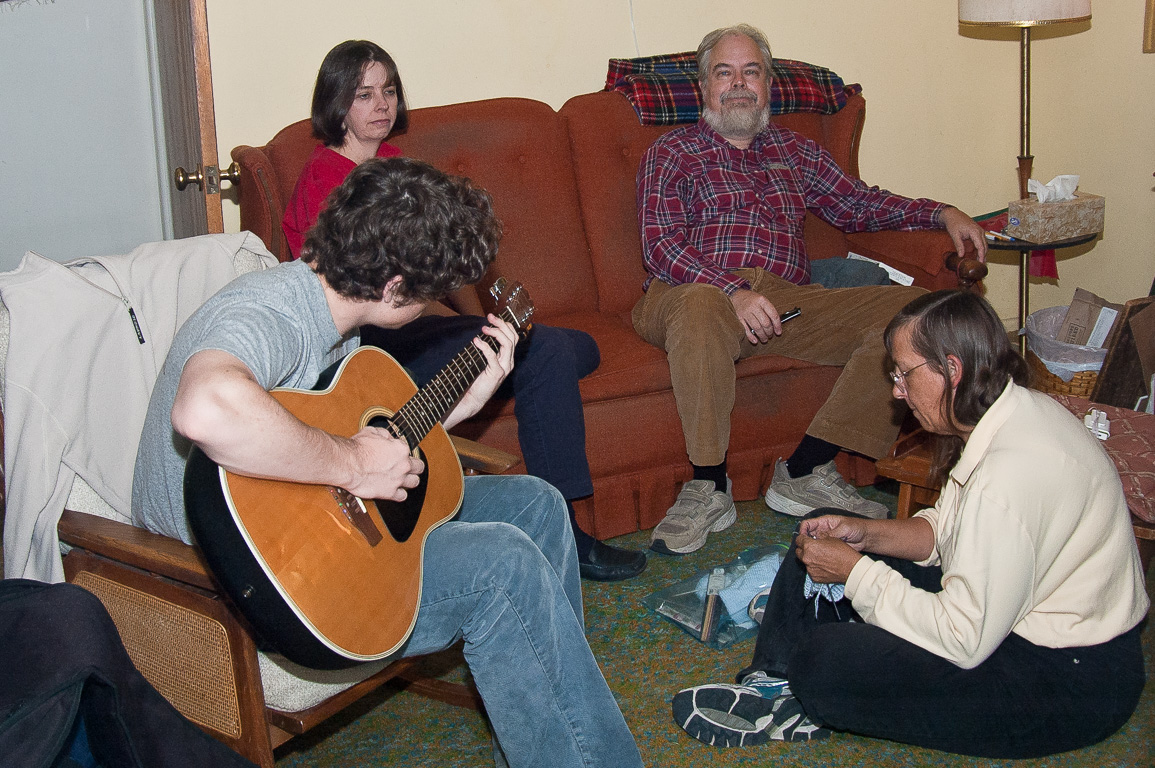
[(78, 377), (1033, 536)]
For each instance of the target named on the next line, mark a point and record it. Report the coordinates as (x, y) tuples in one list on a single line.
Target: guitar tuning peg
[(497, 289)]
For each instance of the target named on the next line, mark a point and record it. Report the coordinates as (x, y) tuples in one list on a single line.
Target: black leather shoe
[(606, 563)]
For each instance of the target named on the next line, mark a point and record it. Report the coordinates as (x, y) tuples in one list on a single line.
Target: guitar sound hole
[(400, 517)]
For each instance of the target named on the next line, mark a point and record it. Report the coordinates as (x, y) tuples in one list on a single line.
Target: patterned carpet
[(646, 660)]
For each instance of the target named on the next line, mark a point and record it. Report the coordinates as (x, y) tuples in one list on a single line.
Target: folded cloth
[(832, 592), (664, 89), (737, 594)]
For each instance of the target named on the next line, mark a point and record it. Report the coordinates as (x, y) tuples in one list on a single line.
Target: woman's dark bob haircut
[(337, 83)]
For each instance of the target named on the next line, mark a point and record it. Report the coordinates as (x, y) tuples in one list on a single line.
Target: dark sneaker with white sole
[(739, 716)]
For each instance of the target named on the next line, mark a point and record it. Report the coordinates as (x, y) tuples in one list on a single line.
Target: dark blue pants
[(544, 387), (1025, 700)]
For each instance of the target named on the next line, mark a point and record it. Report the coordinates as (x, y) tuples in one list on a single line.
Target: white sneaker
[(823, 487), (699, 511)]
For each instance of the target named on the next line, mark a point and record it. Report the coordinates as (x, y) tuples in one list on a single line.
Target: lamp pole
[(1026, 160), (1026, 164)]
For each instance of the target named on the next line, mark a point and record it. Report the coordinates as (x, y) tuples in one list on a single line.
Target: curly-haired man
[(503, 573)]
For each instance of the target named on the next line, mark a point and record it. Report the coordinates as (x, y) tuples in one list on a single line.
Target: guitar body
[(327, 579)]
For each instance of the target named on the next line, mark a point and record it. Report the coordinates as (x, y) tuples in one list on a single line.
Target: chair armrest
[(478, 458), (928, 255), (176, 560), (136, 547)]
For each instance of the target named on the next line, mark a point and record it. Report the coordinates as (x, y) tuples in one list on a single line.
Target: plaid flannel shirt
[(706, 208)]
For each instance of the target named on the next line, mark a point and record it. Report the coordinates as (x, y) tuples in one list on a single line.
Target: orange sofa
[(563, 185)]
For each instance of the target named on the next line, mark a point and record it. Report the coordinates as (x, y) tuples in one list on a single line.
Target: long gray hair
[(964, 325)]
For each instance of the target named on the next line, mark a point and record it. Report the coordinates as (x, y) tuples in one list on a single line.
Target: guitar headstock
[(514, 304)]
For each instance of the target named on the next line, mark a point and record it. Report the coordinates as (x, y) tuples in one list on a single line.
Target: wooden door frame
[(186, 125)]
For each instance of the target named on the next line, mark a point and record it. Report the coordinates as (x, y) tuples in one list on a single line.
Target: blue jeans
[(503, 575), (846, 273), (551, 428)]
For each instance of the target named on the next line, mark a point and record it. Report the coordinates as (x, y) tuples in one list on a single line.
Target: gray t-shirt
[(277, 323)]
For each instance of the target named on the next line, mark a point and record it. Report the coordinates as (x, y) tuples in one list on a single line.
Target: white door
[(84, 166), (186, 92)]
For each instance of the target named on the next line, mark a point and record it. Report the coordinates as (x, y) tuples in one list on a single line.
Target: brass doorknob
[(184, 178), (208, 175), (232, 174)]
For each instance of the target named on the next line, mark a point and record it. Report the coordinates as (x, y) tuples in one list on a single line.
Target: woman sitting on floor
[(1003, 622)]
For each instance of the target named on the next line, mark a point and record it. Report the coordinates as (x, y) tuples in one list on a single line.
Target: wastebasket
[(1058, 367)]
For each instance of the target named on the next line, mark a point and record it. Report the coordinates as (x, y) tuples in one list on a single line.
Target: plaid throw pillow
[(664, 89)]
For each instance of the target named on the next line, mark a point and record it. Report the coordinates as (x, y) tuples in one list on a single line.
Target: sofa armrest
[(927, 255), (260, 200)]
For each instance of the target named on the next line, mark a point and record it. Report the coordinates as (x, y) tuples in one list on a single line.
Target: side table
[(1025, 249)]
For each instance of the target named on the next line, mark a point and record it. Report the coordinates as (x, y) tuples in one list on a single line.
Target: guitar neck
[(436, 399)]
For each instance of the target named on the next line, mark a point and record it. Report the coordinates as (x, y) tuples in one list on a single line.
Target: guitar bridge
[(355, 512)]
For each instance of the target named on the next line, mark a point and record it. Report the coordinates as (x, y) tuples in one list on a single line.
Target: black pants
[(551, 427), (63, 662), (1025, 700)]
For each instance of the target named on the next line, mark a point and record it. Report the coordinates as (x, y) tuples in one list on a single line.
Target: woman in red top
[(358, 102)]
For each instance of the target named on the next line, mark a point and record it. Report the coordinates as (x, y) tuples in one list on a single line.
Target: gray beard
[(737, 123)]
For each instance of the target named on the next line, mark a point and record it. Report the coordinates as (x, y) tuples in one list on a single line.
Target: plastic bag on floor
[(684, 603)]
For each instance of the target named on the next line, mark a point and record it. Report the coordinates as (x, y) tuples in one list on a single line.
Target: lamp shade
[(1022, 13)]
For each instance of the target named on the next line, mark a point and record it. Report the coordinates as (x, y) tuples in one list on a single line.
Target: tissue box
[(1038, 222)]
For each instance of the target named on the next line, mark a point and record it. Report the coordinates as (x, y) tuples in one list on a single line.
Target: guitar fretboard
[(436, 399)]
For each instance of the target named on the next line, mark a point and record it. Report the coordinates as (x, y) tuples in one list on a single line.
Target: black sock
[(583, 540), (810, 453), (716, 473)]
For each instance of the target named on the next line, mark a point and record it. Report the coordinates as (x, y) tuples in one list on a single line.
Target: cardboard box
[(1089, 320), (1038, 222)]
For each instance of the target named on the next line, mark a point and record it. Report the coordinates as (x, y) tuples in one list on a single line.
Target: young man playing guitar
[(503, 572)]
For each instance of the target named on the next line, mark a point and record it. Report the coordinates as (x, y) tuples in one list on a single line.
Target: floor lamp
[(1023, 14)]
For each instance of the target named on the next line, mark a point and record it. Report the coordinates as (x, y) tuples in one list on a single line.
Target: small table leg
[(1024, 297)]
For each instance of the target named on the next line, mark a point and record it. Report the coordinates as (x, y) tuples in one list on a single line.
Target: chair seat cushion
[(290, 687), (631, 366)]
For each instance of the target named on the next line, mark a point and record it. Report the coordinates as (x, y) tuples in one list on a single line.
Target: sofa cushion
[(631, 367), (518, 151)]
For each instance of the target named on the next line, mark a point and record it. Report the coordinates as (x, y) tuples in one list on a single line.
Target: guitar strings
[(433, 401)]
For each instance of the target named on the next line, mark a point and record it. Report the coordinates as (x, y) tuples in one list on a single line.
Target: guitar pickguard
[(400, 517)]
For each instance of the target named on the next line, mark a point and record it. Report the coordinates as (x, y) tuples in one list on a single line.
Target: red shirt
[(707, 208), (324, 172)]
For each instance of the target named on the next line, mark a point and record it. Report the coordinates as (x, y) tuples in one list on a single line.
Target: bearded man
[(721, 206)]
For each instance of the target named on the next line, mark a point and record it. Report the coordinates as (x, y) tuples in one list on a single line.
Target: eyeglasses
[(899, 377)]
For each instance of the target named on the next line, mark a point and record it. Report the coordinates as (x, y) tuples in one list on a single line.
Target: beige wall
[(942, 107)]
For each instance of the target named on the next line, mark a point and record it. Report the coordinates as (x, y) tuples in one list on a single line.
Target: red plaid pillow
[(664, 89)]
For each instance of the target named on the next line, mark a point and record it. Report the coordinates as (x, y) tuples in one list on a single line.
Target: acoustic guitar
[(326, 578)]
